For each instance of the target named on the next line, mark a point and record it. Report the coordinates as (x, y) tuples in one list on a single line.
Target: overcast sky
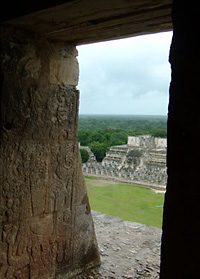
[(129, 76)]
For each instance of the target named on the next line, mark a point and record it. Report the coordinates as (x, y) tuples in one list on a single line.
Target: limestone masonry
[(142, 160), (46, 227)]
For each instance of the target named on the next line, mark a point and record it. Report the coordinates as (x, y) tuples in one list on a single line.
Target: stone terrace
[(137, 164)]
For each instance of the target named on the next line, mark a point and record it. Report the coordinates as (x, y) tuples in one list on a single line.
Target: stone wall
[(147, 141), (46, 228)]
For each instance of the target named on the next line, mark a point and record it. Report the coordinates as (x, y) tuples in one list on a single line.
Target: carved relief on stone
[(41, 183), (64, 68), (62, 103), (21, 58), (38, 113)]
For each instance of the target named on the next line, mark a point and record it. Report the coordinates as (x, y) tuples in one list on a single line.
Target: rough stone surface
[(46, 227), (128, 250), (63, 67), (80, 21)]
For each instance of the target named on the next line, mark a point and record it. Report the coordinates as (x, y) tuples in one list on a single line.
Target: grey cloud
[(125, 72)]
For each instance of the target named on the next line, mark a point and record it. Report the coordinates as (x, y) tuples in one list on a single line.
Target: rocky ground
[(128, 250)]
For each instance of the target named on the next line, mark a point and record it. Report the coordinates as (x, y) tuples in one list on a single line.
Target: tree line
[(102, 132)]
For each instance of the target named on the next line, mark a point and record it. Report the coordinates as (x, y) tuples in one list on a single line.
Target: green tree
[(101, 132), (83, 137), (84, 155), (99, 150), (106, 136), (160, 133)]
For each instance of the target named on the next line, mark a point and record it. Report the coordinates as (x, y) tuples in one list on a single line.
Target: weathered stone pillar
[(46, 228), (181, 229)]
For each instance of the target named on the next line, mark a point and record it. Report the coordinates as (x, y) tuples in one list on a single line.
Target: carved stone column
[(46, 225), (181, 229)]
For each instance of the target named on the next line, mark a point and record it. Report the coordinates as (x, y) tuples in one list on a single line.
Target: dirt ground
[(128, 250), (103, 183)]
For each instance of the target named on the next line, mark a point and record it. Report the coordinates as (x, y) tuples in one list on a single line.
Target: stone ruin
[(92, 157), (141, 161)]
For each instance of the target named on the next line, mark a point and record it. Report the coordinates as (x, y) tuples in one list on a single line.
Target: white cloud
[(129, 76)]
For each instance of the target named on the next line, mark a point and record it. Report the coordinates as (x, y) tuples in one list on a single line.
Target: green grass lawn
[(129, 202)]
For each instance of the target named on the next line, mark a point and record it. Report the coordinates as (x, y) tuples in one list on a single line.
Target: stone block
[(64, 69)]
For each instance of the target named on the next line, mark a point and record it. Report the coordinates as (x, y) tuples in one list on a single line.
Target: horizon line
[(114, 114)]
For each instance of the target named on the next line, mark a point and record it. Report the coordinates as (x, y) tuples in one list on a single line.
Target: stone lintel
[(84, 22)]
